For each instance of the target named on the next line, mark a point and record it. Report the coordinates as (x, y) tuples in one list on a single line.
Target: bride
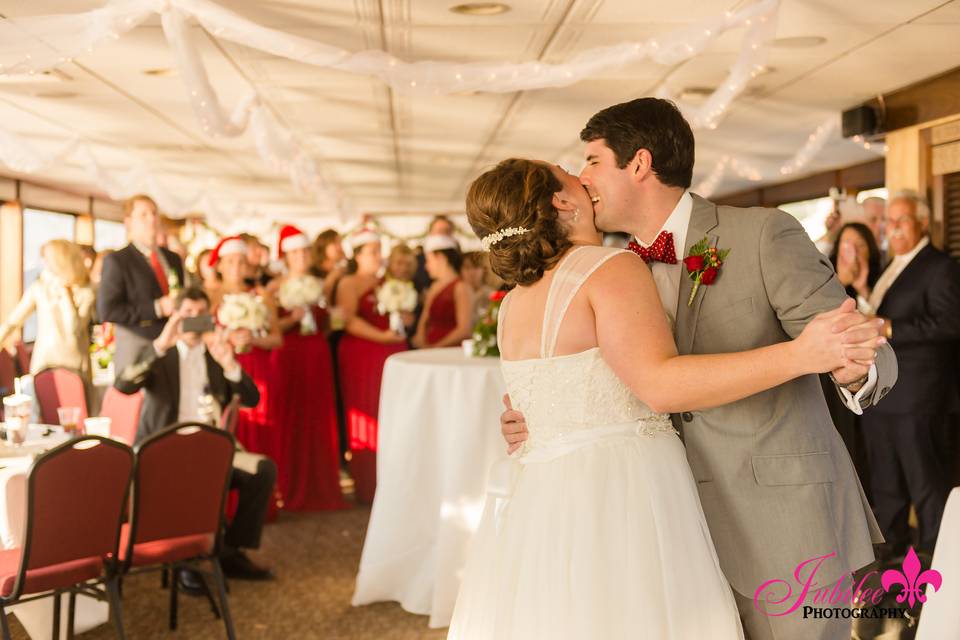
[(600, 533)]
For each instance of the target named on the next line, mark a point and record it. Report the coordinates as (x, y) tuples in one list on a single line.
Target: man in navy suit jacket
[(918, 296), (139, 282)]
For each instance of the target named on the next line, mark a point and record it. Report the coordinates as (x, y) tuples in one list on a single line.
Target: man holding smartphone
[(187, 366)]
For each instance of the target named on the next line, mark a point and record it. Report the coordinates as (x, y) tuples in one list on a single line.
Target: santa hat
[(359, 238), (439, 242), (229, 246), (291, 239)]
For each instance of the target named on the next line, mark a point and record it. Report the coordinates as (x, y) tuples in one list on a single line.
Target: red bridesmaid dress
[(256, 426), (361, 369), (442, 315), (309, 476)]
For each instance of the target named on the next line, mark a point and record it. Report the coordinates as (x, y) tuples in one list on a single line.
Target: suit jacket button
[(687, 416)]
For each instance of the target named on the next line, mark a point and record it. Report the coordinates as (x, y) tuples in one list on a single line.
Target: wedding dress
[(599, 534)]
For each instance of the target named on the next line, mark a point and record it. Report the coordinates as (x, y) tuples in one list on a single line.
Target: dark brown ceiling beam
[(868, 175)]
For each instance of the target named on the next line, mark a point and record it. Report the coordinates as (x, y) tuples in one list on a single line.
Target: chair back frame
[(32, 475), (136, 507)]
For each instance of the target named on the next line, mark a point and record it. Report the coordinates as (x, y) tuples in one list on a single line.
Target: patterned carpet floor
[(315, 557)]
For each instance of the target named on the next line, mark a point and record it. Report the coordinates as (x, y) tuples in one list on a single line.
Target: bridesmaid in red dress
[(363, 350), (446, 319), (256, 429), (307, 417)]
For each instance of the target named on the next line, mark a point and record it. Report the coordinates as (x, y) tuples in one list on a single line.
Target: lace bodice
[(559, 395)]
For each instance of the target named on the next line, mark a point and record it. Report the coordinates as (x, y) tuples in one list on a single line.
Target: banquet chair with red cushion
[(230, 416), (24, 353), (75, 496), (8, 371), (180, 484), (124, 413), (59, 388)]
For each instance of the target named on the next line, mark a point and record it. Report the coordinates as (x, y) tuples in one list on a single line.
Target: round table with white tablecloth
[(439, 436)]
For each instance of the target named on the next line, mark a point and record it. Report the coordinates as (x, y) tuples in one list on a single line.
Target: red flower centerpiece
[(485, 331)]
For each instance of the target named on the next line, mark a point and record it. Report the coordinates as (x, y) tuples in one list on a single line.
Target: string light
[(814, 144)]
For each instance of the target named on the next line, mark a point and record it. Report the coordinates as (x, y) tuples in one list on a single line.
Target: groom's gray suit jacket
[(776, 482)]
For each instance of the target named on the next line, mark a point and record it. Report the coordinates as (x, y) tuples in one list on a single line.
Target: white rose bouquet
[(302, 292), (243, 311), (395, 297)]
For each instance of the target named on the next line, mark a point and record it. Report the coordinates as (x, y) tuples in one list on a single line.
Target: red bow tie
[(662, 249)]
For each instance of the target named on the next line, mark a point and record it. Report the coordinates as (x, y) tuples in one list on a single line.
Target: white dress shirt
[(870, 305), (667, 278), (194, 378)]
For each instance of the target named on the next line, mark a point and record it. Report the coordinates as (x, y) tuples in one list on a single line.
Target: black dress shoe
[(237, 565), (191, 583)]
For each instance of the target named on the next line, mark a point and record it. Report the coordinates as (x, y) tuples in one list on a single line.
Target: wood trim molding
[(11, 256), (858, 177)]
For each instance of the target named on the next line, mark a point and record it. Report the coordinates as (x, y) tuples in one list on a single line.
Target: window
[(880, 192), (812, 214), (108, 234), (39, 227)]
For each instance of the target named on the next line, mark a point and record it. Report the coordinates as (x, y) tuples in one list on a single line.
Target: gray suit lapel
[(703, 219)]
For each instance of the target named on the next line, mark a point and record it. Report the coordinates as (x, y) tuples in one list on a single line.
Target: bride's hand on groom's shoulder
[(513, 426), (839, 339)]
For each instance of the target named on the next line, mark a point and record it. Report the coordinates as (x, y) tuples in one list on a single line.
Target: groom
[(775, 480)]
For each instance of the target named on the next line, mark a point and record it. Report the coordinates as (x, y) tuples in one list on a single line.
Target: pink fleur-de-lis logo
[(912, 579)]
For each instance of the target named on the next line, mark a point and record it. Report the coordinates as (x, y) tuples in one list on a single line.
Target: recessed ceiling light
[(696, 92), (55, 95), (798, 42), (480, 8), (162, 72)]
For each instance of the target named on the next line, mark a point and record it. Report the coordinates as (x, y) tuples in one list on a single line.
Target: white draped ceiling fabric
[(35, 44)]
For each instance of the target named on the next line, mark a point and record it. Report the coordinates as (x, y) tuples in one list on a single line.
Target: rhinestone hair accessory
[(488, 241)]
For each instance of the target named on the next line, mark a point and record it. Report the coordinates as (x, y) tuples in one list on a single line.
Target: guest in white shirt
[(918, 295), (189, 376)]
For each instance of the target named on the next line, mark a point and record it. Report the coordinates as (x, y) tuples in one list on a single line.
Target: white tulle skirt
[(606, 542)]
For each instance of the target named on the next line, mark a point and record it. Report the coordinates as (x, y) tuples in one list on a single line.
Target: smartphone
[(198, 324)]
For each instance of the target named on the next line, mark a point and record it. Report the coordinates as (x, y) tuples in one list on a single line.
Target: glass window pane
[(812, 214), (880, 192), (108, 234), (39, 227)]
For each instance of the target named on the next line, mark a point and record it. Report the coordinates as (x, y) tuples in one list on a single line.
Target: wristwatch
[(847, 385)]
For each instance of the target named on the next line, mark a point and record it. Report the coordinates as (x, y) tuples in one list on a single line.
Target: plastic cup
[(69, 419)]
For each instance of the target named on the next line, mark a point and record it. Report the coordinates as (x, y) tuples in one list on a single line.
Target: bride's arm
[(634, 338)]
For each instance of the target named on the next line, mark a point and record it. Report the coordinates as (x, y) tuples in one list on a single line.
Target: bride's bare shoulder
[(617, 271)]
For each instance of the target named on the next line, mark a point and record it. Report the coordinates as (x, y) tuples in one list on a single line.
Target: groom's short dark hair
[(653, 124)]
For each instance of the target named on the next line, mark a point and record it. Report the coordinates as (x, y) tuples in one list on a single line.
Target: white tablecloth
[(940, 617), (37, 616), (439, 435)]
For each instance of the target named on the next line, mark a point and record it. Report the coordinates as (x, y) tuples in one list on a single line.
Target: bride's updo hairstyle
[(518, 193)]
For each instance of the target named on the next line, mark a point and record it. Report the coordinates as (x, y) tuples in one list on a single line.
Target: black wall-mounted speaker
[(860, 121)]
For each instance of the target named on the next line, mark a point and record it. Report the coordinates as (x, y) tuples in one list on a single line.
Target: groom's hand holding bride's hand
[(513, 426), (843, 342)]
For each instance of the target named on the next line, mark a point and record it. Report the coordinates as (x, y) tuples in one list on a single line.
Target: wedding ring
[(595, 199)]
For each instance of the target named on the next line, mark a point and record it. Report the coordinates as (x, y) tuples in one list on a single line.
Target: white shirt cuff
[(853, 400), (235, 375)]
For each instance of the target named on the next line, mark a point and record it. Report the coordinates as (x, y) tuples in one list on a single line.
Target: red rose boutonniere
[(703, 264)]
